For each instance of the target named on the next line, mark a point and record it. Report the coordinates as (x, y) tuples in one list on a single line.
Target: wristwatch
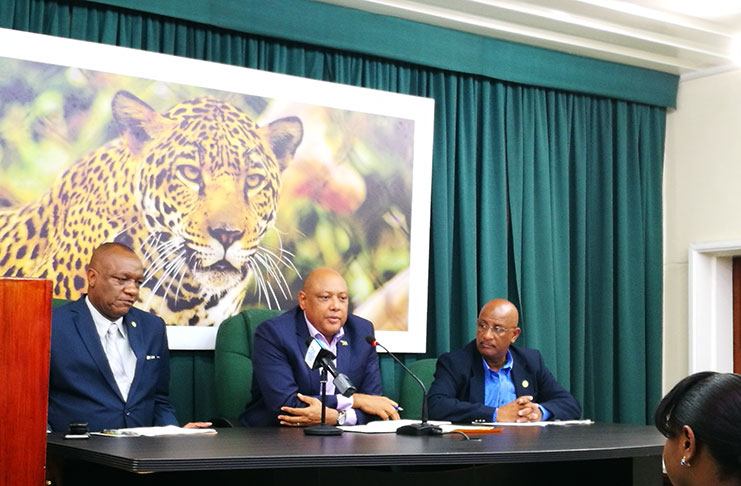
[(341, 417)]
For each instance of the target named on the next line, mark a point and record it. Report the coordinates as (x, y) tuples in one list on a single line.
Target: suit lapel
[(302, 334), (519, 374), (137, 343), (477, 380), (83, 321), (343, 351), (515, 374)]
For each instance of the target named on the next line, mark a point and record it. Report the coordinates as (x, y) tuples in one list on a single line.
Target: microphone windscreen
[(371, 340)]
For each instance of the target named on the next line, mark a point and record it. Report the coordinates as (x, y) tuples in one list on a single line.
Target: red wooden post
[(25, 330)]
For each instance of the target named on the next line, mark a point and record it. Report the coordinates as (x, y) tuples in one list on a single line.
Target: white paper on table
[(153, 431), (465, 428), (540, 424)]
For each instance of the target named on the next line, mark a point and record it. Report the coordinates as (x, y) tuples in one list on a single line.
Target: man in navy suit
[(493, 381), (285, 391), (109, 361)]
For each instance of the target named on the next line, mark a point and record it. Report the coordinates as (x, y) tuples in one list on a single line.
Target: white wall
[(702, 209)]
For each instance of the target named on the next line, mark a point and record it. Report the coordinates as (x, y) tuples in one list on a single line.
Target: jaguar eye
[(254, 180), (190, 173)]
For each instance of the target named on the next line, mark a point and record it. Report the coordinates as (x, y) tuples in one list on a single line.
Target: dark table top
[(252, 448)]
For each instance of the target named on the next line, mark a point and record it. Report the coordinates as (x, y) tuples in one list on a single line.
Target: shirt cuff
[(343, 402), (346, 403), (543, 411), (351, 418)]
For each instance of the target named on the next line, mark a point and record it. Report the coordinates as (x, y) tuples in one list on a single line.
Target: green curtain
[(585, 189), (347, 29), (549, 198)]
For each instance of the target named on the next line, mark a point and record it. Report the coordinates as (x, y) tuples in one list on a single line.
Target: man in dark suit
[(285, 391), (109, 361), (493, 381)]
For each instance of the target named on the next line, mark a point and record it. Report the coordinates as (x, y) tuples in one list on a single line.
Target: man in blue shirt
[(492, 380)]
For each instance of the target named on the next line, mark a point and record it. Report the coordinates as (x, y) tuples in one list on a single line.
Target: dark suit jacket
[(279, 371), (457, 393), (81, 384)]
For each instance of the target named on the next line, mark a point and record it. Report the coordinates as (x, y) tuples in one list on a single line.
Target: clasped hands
[(197, 425), (522, 409), (382, 407)]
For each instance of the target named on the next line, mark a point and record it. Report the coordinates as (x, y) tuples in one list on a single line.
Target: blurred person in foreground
[(701, 420)]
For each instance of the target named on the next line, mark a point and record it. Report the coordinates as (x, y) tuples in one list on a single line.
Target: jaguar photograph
[(230, 189)]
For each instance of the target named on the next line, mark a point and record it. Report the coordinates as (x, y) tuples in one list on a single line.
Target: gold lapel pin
[(525, 383), (133, 324), (343, 342)]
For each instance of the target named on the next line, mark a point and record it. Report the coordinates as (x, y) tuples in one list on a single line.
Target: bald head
[(103, 252), (318, 276), (501, 310), (324, 300)]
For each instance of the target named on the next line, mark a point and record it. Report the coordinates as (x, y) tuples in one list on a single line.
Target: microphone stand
[(323, 429), (422, 428)]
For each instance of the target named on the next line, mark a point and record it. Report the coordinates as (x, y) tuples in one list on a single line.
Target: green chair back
[(410, 395), (58, 302), (233, 361)]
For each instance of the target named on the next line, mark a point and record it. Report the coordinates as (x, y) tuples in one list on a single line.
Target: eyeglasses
[(484, 328)]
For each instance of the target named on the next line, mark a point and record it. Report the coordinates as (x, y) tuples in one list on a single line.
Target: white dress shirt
[(123, 374)]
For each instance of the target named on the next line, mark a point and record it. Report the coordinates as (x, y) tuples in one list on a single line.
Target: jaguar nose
[(225, 236)]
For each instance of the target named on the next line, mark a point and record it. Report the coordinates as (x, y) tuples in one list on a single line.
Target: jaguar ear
[(284, 136), (137, 122)]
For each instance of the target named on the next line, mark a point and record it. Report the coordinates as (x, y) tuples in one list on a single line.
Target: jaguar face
[(208, 183)]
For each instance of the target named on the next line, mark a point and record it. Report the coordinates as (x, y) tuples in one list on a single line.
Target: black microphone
[(317, 355), (422, 428)]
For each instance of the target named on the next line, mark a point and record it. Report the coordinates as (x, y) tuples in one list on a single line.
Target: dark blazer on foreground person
[(457, 392), (280, 373), (81, 383)]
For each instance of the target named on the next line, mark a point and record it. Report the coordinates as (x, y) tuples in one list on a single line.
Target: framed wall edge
[(710, 301)]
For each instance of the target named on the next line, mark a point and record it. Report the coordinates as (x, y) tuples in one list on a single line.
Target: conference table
[(599, 453)]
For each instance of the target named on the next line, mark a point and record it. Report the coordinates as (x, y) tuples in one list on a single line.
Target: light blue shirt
[(499, 389)]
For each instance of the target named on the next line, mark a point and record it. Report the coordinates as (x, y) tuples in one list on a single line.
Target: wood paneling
[(25, 328)]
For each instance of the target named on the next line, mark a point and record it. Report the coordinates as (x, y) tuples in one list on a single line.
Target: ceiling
[(691, 38)]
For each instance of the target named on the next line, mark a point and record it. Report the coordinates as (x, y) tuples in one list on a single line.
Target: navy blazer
[(279, 372), (457, 392), (81, 383)]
